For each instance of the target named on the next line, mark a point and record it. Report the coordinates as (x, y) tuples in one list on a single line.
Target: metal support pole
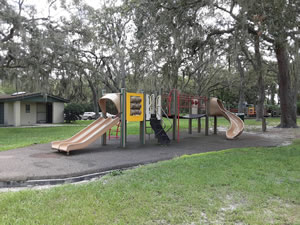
[(142, 132), (160, 109), (104, 136), (199, 119), (190, 120), (215, 125), (143, 124), (206, 125), (126, 128), (123, 118), (175, 115), (207, 118), (190, 126), (174, 128)]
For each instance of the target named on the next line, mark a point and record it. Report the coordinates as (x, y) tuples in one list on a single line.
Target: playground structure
[(92, 132), (197, 107), (236, 124), (140, 107), (116, 131)]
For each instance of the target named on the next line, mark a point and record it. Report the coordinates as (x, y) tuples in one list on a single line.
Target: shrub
[(273, 109), (73, 111), (88, 107), (298, 108)]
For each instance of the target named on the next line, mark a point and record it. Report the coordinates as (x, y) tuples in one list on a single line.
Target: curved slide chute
[(92, 132), (216, 108)]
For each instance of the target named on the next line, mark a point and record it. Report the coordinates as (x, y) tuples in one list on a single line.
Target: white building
[(22, 109)]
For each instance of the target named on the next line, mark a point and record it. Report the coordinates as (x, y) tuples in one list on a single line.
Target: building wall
[(8, 113), (17, 113), (28, 118), (58, 112), (11, 109)]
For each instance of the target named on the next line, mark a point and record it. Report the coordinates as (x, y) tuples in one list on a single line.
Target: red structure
[(116, 132), (179, 103)]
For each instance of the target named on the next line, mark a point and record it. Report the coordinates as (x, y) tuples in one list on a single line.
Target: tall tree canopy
[(219, 47)]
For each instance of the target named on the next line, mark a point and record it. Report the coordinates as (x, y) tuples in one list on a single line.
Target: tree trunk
[(296, 73), (175, 80), (288, 109), (95, 98), (242, 85), (273, 92), (260, 81)]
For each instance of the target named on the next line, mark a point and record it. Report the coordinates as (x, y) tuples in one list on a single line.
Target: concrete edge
[(67, 180)]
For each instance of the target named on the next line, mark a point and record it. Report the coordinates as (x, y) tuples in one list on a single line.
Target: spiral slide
[(216, 108), (92, 132)]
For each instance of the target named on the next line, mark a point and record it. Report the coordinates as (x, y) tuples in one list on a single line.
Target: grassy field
[(11, 137), (240, 186)]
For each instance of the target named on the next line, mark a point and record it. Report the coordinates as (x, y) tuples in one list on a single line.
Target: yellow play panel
[(135, 106)]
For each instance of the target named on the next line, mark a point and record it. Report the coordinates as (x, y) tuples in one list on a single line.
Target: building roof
[(32, 97)]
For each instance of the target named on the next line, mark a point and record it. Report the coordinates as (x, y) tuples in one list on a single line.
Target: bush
[(72, 112), (298, 108), (88, 107), (273, 109)]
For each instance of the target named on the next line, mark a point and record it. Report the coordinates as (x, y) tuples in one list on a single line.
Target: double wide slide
[(86, 136), (94, 131)]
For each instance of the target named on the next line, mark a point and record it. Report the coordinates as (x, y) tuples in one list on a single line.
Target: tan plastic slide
[(216, 108), (92, 132)]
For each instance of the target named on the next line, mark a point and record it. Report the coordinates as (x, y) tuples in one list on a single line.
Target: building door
[(1, 113), (49, 113), (41, 113)]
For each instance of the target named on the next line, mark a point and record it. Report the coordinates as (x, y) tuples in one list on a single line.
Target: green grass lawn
[(12, 137), (240, 186)]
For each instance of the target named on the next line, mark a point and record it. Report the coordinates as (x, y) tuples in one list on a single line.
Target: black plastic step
[(160, 134)]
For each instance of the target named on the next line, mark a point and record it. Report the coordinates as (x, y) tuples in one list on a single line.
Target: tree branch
[(9, 36), (199, 44), (251, 30)]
